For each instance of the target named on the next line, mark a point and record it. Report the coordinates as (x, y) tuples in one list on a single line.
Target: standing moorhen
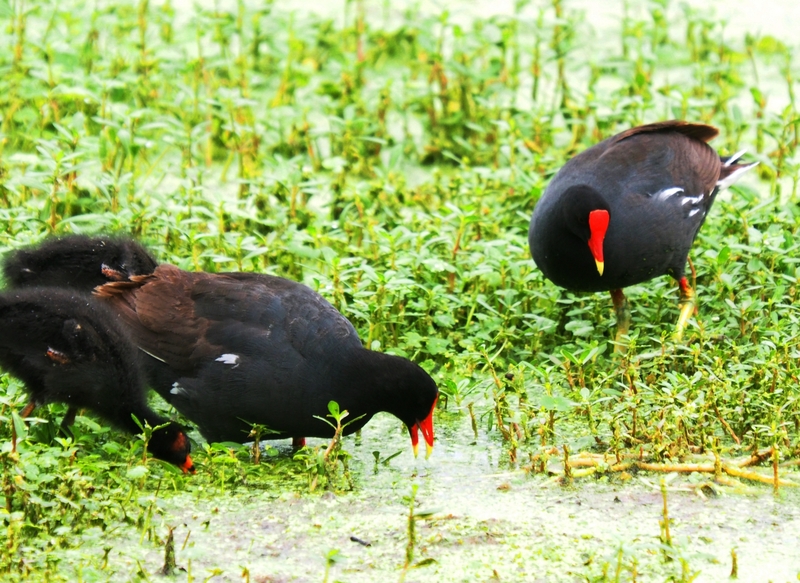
[(68, 348), (231, 350), (628, 210)]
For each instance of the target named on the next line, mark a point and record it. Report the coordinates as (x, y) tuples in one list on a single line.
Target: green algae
[(480, 524)]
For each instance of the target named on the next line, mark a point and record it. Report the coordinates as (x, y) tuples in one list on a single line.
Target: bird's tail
[(731, 170)]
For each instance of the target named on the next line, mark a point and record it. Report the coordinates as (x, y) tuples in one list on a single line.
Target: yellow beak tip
[(416, 450), (428, 450), (600, 266)]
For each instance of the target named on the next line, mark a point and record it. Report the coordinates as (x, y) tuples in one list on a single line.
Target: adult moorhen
[(67, 347), (231, 350), (628, 209)]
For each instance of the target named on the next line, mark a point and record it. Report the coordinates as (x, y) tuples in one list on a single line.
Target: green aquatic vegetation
[(413, 517), (328, 466), (390, 160)]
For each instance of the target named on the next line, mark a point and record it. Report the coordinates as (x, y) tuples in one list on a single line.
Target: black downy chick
[(68, 347)]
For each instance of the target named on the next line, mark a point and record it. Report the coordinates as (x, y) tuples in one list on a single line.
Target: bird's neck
[(381, 380)]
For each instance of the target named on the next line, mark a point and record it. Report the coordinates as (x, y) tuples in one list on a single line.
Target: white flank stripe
[(229, 359), (667, 192), (151, 354), (692, 199)]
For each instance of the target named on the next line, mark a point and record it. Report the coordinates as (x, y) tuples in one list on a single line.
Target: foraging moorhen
[(67, 347), (231, 350), (628, 209)]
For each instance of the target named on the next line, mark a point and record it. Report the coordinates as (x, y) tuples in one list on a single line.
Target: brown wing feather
[(697, 131), (703, 160), (693, 164), (159, 311)]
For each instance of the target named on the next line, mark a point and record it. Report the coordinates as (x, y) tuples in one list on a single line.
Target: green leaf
[(556, 403), (580, 327), (136, 472), (444, 320), (19, 426), (333, 407), (722, 257), (437, 345), (5, 9)]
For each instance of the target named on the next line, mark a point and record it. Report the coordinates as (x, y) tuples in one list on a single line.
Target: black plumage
[(67, 347)]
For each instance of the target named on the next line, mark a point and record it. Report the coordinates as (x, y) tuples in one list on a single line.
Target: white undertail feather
[(734, 176), (177, 389), (735, 157), (693, 199)]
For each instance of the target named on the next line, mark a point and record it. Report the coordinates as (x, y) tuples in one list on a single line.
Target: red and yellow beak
[(598, 225), (426, 426)]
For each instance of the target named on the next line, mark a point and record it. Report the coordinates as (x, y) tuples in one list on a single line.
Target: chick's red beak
[(187, 466), (181, 446), (426, 426), (598, 225)]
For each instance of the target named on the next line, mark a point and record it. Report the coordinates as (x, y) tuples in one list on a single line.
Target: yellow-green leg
[(623, 312), (688, 305)]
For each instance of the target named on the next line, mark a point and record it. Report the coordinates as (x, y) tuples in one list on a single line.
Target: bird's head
[(171, 444), (588, 216)]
